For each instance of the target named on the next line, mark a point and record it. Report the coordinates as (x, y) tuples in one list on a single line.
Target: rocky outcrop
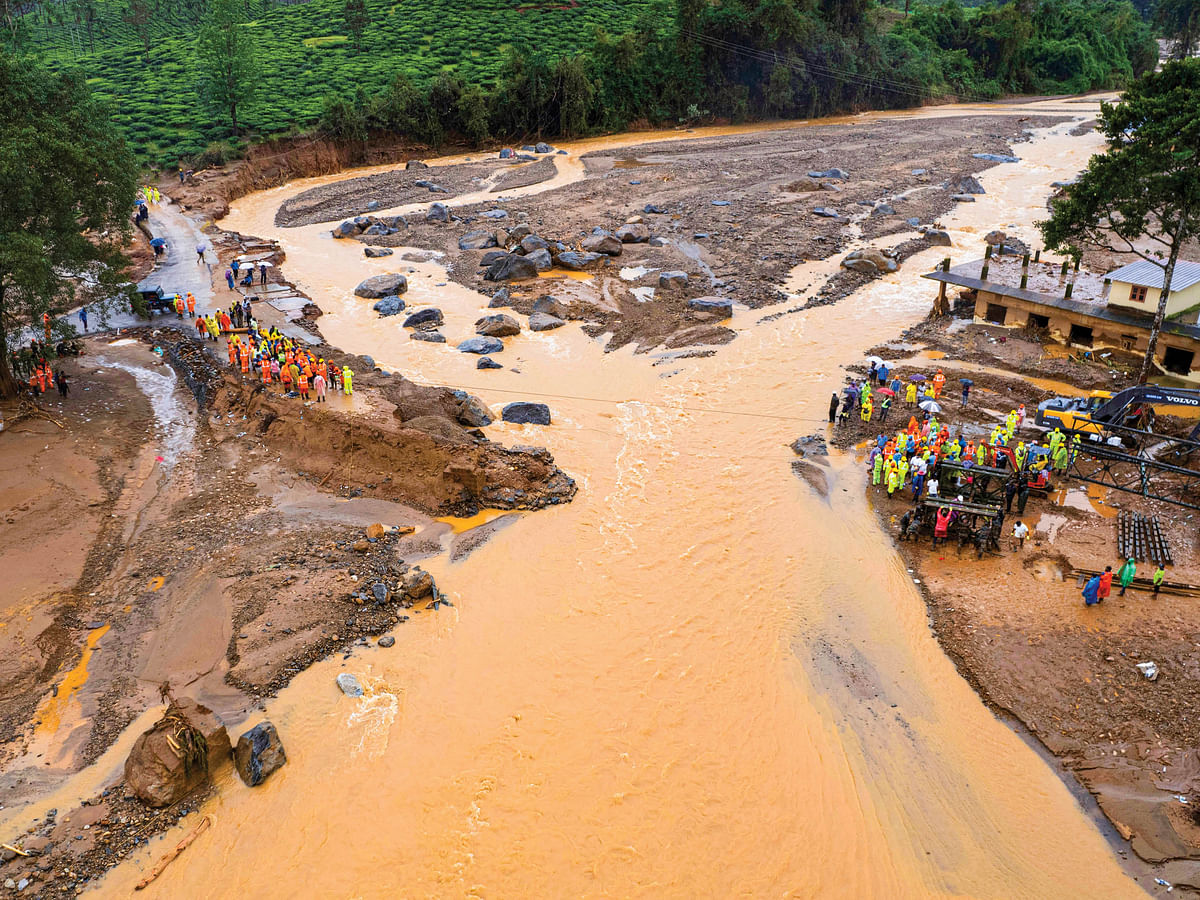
[(498, 325), (721, 307), (967, 184), (995, 238), (550, 306), (379, 286), (523, 413), (532, 242), (177, 754), (869, 262), (472, 411), (938, 238), (258, 753), (541, 260)]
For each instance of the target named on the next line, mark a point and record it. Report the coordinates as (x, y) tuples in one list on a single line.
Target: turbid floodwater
[(700, 678)]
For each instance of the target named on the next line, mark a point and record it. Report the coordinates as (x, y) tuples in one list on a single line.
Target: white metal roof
[(1148, 274)]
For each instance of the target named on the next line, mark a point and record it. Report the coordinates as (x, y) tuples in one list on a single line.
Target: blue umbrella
[(158, 242), (966, 381), (916, 377)]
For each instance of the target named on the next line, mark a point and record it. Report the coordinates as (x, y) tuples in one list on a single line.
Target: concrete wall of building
[(1176, 303), (1105, 334)]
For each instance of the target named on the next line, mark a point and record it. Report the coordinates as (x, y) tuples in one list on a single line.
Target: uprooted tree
[(1142, 195), (67, 186)]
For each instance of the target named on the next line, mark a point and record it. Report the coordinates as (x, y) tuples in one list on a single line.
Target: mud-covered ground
[(1015, 622), (737, 214)]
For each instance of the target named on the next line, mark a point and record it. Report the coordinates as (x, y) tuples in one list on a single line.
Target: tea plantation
[(305, 54)]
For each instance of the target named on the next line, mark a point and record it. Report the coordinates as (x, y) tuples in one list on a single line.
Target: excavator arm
[(1113, 410)]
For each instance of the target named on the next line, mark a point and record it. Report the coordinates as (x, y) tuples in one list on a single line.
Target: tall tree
[(1180, 21), (226, 54), (355, 14), (67, 185), (139, 16), (1142, 195)]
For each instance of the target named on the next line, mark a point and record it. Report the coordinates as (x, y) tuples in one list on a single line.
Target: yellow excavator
[(1133, 407)]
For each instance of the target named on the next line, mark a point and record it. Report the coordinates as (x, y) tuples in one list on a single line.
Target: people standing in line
[(191, 304), (1160, 573), (319, 386), (347, 381), (833, 408), (1091, 591), (1106, 579), (83, 314), (1126, 575)]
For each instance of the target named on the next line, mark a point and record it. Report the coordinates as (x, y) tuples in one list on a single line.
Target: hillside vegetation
[(479, 69)]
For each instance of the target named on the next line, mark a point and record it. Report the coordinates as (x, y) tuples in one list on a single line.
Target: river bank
[(569, 725)]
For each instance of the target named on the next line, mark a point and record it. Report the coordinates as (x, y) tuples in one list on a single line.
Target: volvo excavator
[(1133, 407)]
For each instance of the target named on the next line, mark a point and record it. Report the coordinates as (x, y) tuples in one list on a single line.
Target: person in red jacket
[(1105, 584)]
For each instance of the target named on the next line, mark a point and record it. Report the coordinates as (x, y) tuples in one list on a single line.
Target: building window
[(1128, 341), (996, 313), (1039, 323), (1137, 293), (1178, 361)]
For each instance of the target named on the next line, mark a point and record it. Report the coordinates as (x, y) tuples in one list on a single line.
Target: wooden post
[(1037, 256), (1064, 268), (946, 264), (987, 252), (1076, 264), (1024, 278), (1067, 295), (984, 274)]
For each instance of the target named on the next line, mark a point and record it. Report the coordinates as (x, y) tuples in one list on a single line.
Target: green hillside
[(304, 54)]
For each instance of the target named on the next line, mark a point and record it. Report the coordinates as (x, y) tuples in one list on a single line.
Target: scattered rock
[(967, 184), (415, 164), (481, 345), (349, 685), (473, 413), (812, 445), (544, 322), (512, 267), (918, 172), (486, 362), (603, 242), (720, 202), (427, 335), (387, 641), (491, 257), (997, 157), (673, 279), (548, 305), (495, 213), (532, 242), (346, 230), (963, 198), (720, 306), (438, 212), (995, 238), (417, 585), (389, 306), (913, 221), (360, 546), (477, 240), (502, 297), (830, 173), (825, 212), (541, 260), (938, 237), (571, 259), (870, 262), (430, 315), (522, 413), (883, 209), (633, 233), (542, 148), (156, 774), (379, 286), (375, 531), (651, 208), (259, 752), (375, 252), (498, 325)]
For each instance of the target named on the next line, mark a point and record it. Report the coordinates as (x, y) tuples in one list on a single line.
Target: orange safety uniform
[(302, 386), (191, 303), (233, 353), (179, 304)]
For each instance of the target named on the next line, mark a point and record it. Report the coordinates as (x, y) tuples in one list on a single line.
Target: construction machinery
[(1099, 411)]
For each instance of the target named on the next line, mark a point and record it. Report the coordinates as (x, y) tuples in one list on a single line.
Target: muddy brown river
[(698, 679)]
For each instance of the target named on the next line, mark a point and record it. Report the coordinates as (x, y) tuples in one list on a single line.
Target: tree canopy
[(67, 187), (225, 51), (1142, 195)]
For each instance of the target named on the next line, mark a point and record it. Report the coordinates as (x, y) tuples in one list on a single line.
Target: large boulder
[(157, 773), (379, 286), (571, 259), (512, 267), (870, 262), (480, 239), (438, 212), (602, 242), (672, 279), (375, 252), (430, 317), (490, 257), (389, 306), (501, 298), (473, 412), (497, 325), (481, 345), (532, 242), (259, 752), (633, 233), (938, 238), (718, 306), (486, 362), (347, 229), (522, 413), (544, 322), (995, 238), (548, 305), (541, 260), (415, 164)]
